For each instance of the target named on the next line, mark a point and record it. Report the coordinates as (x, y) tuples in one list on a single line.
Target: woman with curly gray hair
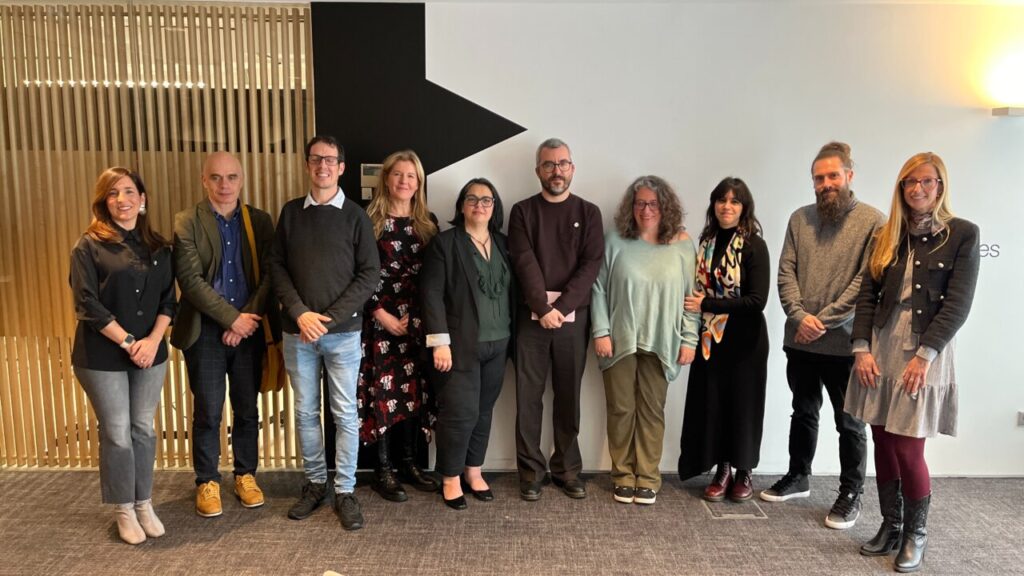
[(641, 333)]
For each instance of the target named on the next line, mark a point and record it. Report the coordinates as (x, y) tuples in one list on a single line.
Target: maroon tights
[(901, 457)]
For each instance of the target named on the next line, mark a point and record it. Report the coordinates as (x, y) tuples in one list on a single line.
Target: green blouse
[(491, 291)]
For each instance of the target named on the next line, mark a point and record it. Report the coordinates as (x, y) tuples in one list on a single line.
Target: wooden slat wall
[(155, 87)]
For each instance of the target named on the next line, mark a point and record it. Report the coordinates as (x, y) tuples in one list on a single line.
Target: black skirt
[(724, 414)]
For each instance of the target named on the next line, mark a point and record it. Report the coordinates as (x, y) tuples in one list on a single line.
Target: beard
[(832, 207), (556, 185)]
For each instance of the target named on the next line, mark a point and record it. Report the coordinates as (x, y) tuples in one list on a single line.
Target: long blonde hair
[(381, 203), (888, 238)]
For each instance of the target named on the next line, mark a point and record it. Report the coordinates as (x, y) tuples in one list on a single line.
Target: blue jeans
[(125, 405), (340, 353)]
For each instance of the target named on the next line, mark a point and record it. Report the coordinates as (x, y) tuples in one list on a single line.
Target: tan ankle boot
[(151, 525), (128, 524)]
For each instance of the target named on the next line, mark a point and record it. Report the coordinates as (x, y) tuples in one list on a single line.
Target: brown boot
[(742, 488), (715, 492)]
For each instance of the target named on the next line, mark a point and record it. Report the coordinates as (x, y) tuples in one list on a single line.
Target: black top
[(324, 260), (120, 281), (754, 283)]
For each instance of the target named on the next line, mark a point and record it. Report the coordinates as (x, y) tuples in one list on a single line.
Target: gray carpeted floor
[(53, 523)]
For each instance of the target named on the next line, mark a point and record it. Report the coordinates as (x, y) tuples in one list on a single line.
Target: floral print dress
[(392, 383)]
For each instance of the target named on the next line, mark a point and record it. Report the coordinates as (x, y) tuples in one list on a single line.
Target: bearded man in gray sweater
[(823, 257)]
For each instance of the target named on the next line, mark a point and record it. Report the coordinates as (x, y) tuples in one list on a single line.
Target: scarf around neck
[(721, 281)]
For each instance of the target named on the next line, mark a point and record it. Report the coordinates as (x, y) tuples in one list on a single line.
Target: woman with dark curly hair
[(724, 413), (641, 334)]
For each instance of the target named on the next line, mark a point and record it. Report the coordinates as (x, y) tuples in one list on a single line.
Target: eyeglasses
[(549, 166), (485, 201), (640, 205), (928, 184), (314, 159)]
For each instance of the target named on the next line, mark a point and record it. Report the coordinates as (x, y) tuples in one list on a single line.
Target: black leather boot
[(417, 477), (890, 500), (384, 481), (915, 535), (408, 471)]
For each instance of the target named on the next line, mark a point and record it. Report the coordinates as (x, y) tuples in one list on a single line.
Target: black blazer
[(446, 289), (944, 281)]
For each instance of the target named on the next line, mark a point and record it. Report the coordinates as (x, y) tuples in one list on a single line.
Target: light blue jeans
[(125, 404), (341, 354)]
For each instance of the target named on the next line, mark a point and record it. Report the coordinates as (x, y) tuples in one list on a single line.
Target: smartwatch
[(128, 341)]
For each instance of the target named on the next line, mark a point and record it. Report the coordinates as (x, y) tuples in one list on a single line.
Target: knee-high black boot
[(407, 468), (384, 481), (915, 535), (890, 500)]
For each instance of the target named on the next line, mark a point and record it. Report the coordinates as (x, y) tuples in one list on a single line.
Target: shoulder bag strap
[(268, 336)]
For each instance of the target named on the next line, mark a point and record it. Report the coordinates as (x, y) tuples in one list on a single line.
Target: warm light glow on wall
[(1006, 78)]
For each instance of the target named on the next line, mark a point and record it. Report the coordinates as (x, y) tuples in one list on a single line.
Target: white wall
[(696, 92)]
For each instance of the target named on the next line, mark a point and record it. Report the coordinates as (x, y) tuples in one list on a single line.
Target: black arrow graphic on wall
[(369, 69)]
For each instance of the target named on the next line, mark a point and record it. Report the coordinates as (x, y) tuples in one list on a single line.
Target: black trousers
[(807, 374), (208, 361), (562, 353), (465, 403)]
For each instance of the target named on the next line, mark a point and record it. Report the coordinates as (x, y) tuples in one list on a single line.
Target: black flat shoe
[(481, 495), (458, 503)]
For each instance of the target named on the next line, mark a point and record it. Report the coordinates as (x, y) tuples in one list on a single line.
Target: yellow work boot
[(208, 499), (248, 492)]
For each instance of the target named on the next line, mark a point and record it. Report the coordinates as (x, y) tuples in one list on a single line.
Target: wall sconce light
[(1006, 83)]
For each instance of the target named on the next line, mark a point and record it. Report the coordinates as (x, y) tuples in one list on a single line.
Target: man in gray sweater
[(324, 265), (822, 260)]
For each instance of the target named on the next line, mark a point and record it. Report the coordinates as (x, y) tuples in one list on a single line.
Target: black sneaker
[(789, 486), (623, 494), (313, 495), (845, 511), (349, 511), (645, 496)]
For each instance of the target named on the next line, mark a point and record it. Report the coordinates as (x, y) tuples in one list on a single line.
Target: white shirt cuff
[(435, 340), (927, 352)]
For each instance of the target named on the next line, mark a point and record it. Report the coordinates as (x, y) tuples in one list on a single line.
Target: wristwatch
[(128, 341)]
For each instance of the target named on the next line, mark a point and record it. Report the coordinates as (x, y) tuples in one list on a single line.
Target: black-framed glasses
[(549, 166), (928, 184), (641, 204), (485, 201), (314, 159)]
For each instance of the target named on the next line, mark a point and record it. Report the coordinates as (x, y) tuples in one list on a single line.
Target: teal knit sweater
[(638, 300)]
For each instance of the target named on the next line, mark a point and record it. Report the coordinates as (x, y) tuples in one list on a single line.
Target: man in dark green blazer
[(219, 328)]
